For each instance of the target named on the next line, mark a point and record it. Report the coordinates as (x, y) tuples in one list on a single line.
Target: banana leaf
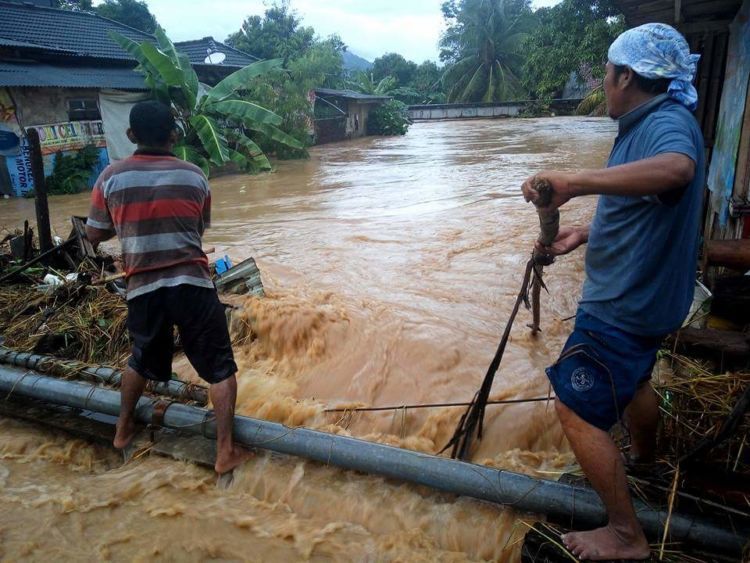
[(189, 154), (275, 134), (244, 110), (252, 151), (212, 138), (241, 78), (165, 66), (189, 83)]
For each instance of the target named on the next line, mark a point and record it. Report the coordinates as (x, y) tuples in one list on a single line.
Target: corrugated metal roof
[(78, 33), (45, 76), (198, 49), (350, 95)]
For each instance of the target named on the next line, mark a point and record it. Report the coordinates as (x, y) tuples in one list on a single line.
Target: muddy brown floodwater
[(391, 266)]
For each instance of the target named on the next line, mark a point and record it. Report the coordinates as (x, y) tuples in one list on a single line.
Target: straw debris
[(74, 321), (695, 402)]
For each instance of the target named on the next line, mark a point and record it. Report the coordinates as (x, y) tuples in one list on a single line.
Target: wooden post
[(40, 190)]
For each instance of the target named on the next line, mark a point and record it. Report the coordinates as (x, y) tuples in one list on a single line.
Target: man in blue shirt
[(640, 271)]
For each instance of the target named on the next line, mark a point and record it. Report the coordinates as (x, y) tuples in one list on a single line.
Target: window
[(83, 109)]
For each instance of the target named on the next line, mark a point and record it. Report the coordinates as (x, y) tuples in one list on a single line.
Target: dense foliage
[(572, 37), (389, 118), (71, 173), (134, 13), (309, 62), (482, 47), (219, 126), (278, 34)]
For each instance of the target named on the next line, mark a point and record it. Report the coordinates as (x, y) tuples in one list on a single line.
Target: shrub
[(389, 119), (72, 172)]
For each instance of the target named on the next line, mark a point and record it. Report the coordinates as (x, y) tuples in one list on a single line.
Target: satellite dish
[(215, 58)]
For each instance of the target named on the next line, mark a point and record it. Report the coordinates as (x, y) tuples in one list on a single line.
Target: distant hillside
[(354, 63)]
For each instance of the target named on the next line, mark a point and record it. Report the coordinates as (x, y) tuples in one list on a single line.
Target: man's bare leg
[(131, 389), (642, 418), (223, 398), (622, 537)]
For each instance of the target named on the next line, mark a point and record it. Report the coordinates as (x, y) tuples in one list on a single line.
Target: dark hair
[(647, 85), (151, 122)]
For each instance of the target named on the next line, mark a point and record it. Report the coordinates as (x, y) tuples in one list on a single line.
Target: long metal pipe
[(576, 506), (107, 375)]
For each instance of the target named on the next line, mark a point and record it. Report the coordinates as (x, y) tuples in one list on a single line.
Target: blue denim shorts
[(600, 369)]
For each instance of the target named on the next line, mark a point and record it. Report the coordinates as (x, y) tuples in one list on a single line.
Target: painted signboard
[(19, 169), (69, 136), (56, 137)]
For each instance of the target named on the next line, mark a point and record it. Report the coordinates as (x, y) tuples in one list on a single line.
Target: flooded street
[(391, 266)]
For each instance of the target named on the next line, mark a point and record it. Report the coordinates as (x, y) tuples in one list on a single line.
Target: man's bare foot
[(607, 543), (225, 462), (124, 433)]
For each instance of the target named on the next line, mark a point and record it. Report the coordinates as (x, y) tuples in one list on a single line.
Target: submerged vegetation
[(388, 119)]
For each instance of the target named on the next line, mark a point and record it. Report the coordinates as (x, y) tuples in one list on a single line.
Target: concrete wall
[(350, 126), (463, 111), (45, 109), (40, 106), (483, 110), (356, 121)]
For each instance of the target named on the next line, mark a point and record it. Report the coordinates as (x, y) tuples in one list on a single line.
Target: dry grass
[(695, 401), (85, 323)]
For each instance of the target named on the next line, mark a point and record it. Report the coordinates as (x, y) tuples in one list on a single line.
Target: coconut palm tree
[(482, 48)]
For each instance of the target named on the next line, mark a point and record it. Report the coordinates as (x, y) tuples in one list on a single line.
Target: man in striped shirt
[(158, 206)]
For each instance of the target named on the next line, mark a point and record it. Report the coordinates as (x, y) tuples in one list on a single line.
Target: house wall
[(330, 130), (45, 109), (356, 121), (40, 106)]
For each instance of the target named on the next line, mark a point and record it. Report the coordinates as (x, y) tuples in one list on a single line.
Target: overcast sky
[(369, 27)]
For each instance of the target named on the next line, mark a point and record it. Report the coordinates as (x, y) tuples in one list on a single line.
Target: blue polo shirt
[(642, 251)]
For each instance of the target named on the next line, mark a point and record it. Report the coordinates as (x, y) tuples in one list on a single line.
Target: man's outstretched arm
[(650, 176)]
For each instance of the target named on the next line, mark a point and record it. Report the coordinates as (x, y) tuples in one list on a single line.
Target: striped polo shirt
[(159, 206)]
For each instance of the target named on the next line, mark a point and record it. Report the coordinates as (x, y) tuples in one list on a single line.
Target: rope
[(473, 418), (531, 286), (436, 405)]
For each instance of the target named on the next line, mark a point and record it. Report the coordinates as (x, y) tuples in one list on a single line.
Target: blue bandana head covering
[(656, 50)]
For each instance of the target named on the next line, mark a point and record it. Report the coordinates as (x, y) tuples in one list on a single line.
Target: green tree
[(428, 83), (365, 82), (389, 118), (74, 5), (134, 13), (221, 125), (393, 64), (572, 36), (287, 92), (278, 34), (482, 48)]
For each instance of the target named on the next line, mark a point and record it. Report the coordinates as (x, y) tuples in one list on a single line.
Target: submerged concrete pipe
[(576, 506), (107, 375)]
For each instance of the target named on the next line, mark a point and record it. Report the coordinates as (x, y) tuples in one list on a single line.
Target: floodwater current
[(391, 266)]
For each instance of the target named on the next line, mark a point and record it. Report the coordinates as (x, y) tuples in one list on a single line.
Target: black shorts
[(202, 325)]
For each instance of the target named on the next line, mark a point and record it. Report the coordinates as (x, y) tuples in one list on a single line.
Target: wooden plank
[(734, 254), (85, 248), (710, 342), (710, 10), (716, 83), (44, 232)]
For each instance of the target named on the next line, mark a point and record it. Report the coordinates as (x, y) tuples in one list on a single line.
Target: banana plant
[(216, 123)]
